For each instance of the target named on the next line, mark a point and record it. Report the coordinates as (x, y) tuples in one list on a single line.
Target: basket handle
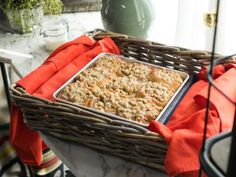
[(99, 33)]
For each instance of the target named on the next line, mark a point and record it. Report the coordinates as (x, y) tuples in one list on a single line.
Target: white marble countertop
[(83, 162), (86, 162), (33, 43)]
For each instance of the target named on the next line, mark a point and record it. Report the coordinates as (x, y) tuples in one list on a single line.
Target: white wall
[(181, 23), (163, 28), (226, 41), (190, 29)]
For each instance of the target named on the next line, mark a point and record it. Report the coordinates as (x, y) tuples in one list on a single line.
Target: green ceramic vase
[(131, 17)]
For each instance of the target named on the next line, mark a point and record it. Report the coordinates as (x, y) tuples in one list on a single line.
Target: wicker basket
[(119, 138)]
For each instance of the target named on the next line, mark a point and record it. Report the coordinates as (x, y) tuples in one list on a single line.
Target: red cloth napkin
[(184, 131), (61, 65)]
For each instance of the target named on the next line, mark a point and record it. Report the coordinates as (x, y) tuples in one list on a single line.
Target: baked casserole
[(131, 90)]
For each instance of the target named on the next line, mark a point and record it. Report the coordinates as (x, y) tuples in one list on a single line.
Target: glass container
[(55, 33)]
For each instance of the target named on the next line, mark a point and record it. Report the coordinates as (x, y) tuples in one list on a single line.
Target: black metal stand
[(6, 83), (209, 165), (206, 161), (231, 171)]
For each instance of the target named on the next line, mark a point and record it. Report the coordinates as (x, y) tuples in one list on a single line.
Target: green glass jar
[(131, 17)]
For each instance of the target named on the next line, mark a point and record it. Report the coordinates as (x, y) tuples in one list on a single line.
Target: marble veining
[(86, 162)]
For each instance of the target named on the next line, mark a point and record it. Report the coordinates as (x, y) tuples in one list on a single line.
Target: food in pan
[(131, 90)]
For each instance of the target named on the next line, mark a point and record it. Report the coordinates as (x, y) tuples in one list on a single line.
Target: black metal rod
[(23, 168), (231, 171), (6, 83), (7, 166), (210, 85)]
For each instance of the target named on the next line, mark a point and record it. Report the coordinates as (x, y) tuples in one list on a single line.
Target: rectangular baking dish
[(164, 114)]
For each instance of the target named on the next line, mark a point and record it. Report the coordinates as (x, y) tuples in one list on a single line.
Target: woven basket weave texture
[(126, 140)]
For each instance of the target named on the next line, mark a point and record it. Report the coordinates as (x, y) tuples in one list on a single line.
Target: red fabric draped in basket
[(61, 65), (184, 131)]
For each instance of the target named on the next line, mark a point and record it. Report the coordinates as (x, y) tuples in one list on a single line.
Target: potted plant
[(22, 15), (52, 6)]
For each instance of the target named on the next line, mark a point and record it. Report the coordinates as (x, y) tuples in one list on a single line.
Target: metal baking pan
[(164, 114)]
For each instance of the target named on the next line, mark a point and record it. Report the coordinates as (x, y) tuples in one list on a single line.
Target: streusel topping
[(130, 90)]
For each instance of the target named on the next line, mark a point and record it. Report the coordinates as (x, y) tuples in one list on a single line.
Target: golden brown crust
[(131, 90)]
